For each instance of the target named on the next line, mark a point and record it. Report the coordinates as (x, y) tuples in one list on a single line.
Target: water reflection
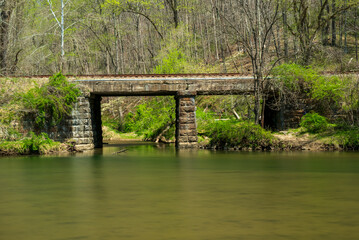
[(155, 192)]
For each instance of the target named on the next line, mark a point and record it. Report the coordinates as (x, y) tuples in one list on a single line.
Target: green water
[(152, 192)]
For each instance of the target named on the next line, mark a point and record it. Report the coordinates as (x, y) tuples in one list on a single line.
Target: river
[(155, 192)]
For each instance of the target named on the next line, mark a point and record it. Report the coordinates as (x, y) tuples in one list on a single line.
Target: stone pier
[(186, 127), (81, 121)]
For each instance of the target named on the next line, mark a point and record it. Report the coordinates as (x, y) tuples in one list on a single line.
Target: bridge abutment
[(186, 127)]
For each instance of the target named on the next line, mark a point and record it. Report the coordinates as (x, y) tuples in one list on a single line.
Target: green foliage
[(338, 93), (152, 118), (111, 123), (174, 62), (350, 98), (314, 123), (327, 88), (52, 101), (348, 139), (238, 134), (319, 87), (34, 144), (8, 133), (176, 54), (204, 120), (344, 136), (291, 75)]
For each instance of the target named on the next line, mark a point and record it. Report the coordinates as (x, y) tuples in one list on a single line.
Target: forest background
[(133, 36)]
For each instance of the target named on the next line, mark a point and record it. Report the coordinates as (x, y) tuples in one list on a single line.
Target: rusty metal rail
[(162, 76), (146, 76)]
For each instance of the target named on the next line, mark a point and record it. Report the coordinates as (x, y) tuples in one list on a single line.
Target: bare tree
[(61, 24), (5, 13), (255, 20), (173, 4), (308, 18)]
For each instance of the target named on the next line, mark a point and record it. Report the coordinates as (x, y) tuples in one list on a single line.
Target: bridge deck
[(164, 84)]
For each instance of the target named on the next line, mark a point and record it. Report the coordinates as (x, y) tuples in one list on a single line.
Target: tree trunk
[(326, 29), (285, 33), (175, 13), (5, 14), (173, 5), (215, 28), (356, 35), (334, 34), (257, 98), (345, 29)]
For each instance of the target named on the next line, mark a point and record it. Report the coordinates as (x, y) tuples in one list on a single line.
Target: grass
[(110, 134), (347, 139), (33, 144)]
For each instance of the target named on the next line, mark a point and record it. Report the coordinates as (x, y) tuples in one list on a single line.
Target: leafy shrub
[(174, 62), (37, 144), (241, 134), (350, 139), (204, 119), (290, 76), (51, 102), (291, 80), (153, 118), (314, 123)]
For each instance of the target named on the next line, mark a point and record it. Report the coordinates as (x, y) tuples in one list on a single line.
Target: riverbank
[(296, 140), (34, 144)]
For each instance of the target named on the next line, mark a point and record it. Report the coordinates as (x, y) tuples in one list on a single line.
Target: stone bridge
[(85, 122)]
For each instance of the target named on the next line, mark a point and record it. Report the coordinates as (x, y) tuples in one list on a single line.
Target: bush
[(314, 123), (34, 144), (348, 139), (51, 102), (238, 134), (174, 62)]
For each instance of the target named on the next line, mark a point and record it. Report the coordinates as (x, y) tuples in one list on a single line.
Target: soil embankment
[(304, 142)]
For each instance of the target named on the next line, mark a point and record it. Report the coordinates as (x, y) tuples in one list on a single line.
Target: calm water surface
[(152, 193)]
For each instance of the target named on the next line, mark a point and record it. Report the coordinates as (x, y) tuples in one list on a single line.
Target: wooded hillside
[(133, 36)]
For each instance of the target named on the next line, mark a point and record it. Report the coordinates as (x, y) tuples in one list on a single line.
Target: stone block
[(188, 108), (84, 141), (75, 112), (185, 120), (184, 127), (183, 139), (185, 99), (78, 135), (75, 122), (83, 115), (187, 115), (84, 147), (75, 128), (83, 104), (84, 110), (180, 94), (187, 145), (193, 139), (187, 133)]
